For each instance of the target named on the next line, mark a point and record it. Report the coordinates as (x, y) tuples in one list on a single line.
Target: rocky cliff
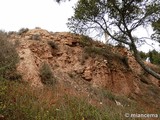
[(80, 64)]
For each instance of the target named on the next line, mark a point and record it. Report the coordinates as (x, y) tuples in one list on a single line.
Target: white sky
[(46, 14), (150, 45)]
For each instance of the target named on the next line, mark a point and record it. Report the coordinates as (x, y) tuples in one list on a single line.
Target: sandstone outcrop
[(65, 57)]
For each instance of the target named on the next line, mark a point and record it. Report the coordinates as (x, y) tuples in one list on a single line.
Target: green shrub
[(154, 57), (46, 75), (22, 31), (8, 55), (143, 55)]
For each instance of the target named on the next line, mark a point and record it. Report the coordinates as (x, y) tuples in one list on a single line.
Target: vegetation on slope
[(153, 55), (8, 57), (19, 101)]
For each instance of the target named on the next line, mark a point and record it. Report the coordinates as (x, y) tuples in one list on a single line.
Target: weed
[(53, 45), (97, 51), (11, 33), (106, 53), (85, 41), (46, 75), (83, 58), (19, 102), (36, 37), (22, 31), (103, 94), (108, 94)]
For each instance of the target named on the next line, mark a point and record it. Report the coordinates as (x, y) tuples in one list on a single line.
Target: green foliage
[(154, 57), (8, 55), (102, 16), (156, 25), (47, 75), (156, 28), (143, 55), (58, 1)]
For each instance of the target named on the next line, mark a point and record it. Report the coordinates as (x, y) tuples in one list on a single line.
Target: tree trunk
[(106, 37), (142, 64)]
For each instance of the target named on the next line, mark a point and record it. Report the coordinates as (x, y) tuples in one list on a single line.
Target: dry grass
[(18, 101)]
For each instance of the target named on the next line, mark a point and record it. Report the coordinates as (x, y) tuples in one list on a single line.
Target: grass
[(18, 101), (105, 53), (85, 41), (98, 51)]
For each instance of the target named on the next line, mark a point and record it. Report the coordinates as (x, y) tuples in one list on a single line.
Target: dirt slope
[(79, 66)]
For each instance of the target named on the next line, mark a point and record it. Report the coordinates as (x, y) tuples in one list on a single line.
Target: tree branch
[(105, 30)]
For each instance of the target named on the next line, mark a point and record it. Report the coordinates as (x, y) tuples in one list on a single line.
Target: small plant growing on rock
[(94, 51), (36, 37), (52, 44), (11, 33), (85, 41), (22, 31), (46, 75)]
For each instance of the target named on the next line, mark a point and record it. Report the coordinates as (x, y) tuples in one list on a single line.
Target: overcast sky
[(46, 14)]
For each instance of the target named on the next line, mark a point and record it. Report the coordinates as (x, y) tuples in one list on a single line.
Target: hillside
[(81, 67)]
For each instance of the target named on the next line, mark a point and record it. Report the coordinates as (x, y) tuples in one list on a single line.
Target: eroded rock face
[(28, 67), (87, 75), (66, 63)]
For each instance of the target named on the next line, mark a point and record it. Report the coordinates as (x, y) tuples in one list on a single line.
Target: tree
[(118, 18), (151, 56), (154, 57), (58, 1), (156, 28)]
